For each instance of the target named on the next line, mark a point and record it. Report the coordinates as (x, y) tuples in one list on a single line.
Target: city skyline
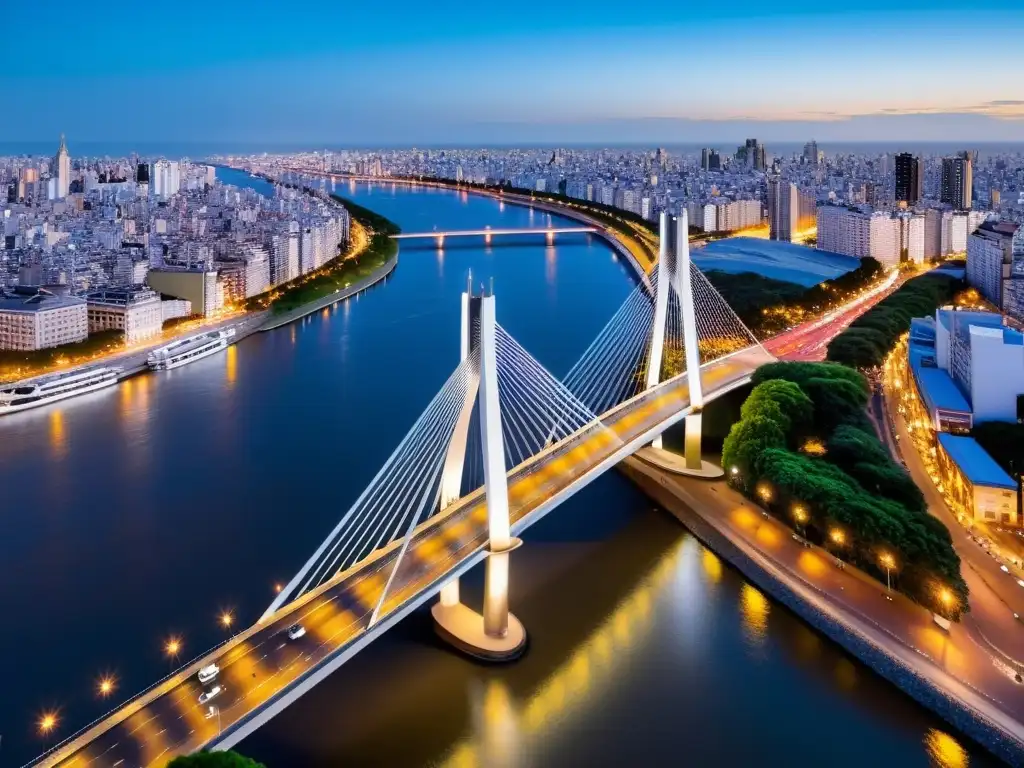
[(786, 73)]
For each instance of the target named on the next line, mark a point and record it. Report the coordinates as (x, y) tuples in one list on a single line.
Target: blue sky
[(492, 72)]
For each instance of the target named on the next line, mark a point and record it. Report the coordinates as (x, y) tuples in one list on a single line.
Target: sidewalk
[(955, 664)]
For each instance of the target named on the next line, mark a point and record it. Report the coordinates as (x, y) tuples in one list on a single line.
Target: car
[(208, 674), (210, 694), (1004, 569), (295, 631)]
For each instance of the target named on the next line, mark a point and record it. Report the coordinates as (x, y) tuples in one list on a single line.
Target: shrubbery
[(226, 759), (853, 487), (871, 336)]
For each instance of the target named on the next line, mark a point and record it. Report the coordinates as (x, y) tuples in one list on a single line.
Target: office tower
[(957, 179), (789, 209), (165, 178), (811, 152), (62, 170), (705, 159), (909, 178), (752, 155)]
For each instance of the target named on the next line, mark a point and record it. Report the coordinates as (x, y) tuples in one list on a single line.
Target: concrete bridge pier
[(496, 634)]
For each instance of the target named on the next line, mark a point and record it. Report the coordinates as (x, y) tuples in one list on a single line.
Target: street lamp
[(47, 722), (764, 492), (837, 536), (172, 648), (105, 686), (886, 560), (800, 515), (226, 619), (947, 599)]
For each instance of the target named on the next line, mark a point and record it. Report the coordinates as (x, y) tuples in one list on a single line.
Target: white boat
[(42, 390), (185, 351)]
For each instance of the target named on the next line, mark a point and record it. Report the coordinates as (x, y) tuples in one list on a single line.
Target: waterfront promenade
[(950, 672)]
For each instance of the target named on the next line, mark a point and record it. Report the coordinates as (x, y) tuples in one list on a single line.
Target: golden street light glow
[(886, 559), (173, 646), (278, 587), (837, 536), (47, 722), (226, 619), (764, 491), (799, 513), (946, 597), (106, 684)]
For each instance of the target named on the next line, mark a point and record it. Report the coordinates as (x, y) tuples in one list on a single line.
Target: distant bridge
[(488, 233)]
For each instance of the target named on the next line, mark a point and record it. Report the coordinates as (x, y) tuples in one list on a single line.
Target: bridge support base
[(494, 635)]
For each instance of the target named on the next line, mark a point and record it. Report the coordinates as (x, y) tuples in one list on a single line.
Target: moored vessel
[(188, 350), (42, 390)]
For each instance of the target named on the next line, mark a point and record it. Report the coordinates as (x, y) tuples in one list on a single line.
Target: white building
[(885, 239), (62, 171), (136, 311), (165, 179), (31, 318)]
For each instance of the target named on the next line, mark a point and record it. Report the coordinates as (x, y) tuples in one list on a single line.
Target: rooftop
[(974, 462), (937, 388), (25, 299)]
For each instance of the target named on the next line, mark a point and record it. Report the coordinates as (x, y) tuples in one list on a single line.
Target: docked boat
[(42, 390), (185, 351)]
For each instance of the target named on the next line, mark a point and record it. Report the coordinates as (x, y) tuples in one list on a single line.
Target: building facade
[(135, 311), (32, 318)]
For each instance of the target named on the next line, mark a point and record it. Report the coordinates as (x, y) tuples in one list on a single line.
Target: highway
[(260, 663), (809, 341)]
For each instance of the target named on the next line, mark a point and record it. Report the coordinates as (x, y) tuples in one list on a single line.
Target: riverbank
[(948, 673), (380, 273)]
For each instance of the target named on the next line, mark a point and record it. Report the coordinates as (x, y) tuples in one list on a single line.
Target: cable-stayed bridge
[(502, 444)]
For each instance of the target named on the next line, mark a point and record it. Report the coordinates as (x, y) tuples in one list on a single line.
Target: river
[(143, 512)]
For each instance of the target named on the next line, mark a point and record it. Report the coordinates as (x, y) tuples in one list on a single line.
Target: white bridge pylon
[(496, 634)]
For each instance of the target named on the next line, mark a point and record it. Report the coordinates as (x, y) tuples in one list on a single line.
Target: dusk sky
[(449, 72)]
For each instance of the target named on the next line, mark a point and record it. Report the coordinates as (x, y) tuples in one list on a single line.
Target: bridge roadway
[(262, 672), (489, 232)]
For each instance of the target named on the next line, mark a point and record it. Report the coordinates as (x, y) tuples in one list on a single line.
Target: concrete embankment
[(970, 711), (277, 320)]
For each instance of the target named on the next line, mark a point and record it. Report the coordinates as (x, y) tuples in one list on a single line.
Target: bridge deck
[(488, 232), (260, 663)]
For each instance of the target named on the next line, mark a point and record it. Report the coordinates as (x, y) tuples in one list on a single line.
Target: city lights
[(837, 536), (47, 722), (106, 685), (764, 492), (173, 646), (226, 619)]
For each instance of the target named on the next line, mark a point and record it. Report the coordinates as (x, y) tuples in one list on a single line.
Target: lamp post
[(887, 561), (800, 515), (172, 648)]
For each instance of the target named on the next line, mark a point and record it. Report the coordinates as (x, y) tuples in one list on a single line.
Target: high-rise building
[(811, 152), (752, 155), (957, 180), (909, 178), (62, 170), (165, 179), (705, 159), (789, 210), (989, 257)]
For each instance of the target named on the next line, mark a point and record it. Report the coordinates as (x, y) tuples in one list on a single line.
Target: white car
[(210, 694), (208, 674), (295, 631)]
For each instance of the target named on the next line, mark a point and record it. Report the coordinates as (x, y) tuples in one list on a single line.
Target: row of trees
[(872, 336), (227, 759), (767, 306), (804, 449)]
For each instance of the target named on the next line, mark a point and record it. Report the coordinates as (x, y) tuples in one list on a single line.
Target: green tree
[(228, 759)]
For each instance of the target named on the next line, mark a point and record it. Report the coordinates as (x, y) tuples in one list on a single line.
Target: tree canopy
[(228, 759), (870, 337), (853, 485)]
